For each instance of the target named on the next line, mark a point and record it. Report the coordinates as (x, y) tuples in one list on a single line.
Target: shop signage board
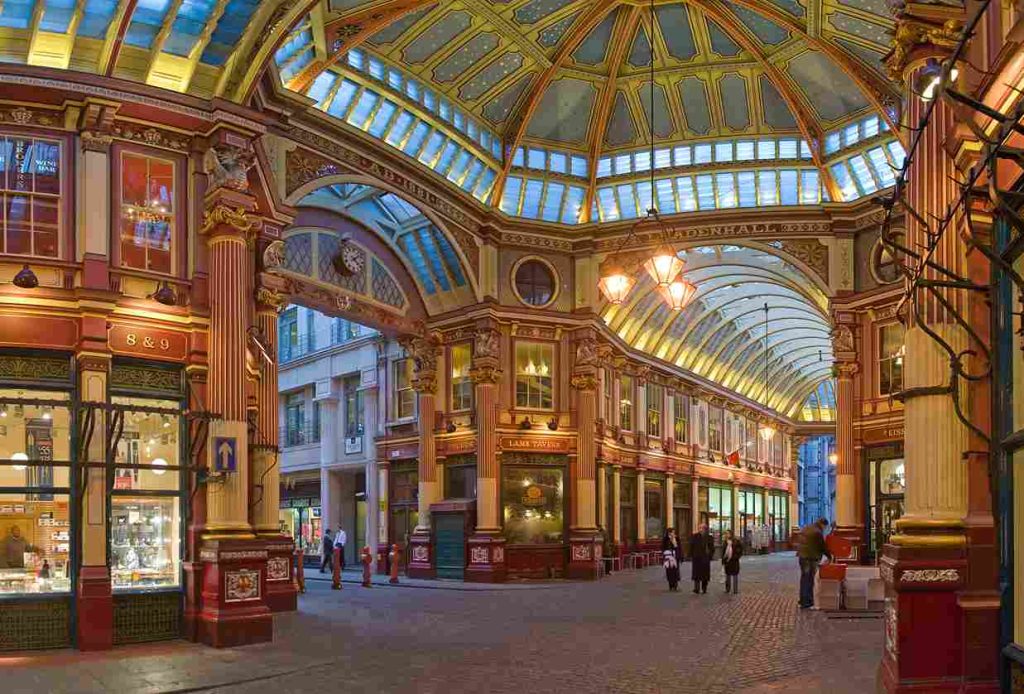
[(536, 444), (224, 450), (147, 342), (893, 432)]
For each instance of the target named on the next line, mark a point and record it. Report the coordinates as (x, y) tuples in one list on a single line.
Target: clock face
[(350, 260)]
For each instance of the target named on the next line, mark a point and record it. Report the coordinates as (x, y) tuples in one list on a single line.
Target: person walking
[(702, 548), (326, 547), (672, 552), (732, 550), (812, 549), (339, 543)]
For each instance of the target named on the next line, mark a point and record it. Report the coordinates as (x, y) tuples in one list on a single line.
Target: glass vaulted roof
[(541, 108), (722, 334)]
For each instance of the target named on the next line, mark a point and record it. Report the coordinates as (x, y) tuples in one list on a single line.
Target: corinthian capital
[(222, 219)]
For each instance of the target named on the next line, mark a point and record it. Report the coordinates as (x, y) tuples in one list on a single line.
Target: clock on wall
[(350, 260)]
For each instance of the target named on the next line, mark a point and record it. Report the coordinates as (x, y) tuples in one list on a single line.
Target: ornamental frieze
[(24, 116), (811, 252), (720, 231), (536, 242), (930, 576), (148, 135), (360, 311)]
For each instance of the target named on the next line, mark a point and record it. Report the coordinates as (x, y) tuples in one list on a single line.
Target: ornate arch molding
[(307, 171)]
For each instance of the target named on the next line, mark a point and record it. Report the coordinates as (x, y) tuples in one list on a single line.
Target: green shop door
[(450, 545)]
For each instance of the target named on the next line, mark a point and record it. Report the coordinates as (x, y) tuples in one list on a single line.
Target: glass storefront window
[(405, 396), (30, 187), (145, 504), (719, 512), (300, 520), (654, 509), (460, 482), (891, 476), (890, 358), (627, 508), (681, 407), (533, 504), (626, 402), (715, 428), (462, 385), (535, 375), (35, 544), (655, 396), (147, 212)]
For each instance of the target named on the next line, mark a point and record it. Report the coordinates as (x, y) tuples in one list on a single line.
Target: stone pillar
[(942, 599), (424, 352), (794, 489), (641, 510), (487, 545), (95, 603), (735, 510), (617, 512), (584, 539), (694, 506), (381, 510), (670, 498), (234, 595), (848, 524), (602, 499), (282, 589)]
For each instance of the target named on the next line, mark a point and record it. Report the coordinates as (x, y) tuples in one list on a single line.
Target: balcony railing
[(299, 436)]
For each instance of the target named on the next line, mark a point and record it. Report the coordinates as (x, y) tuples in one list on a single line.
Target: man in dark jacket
[(702, 548), (812, 549), (327, 549)]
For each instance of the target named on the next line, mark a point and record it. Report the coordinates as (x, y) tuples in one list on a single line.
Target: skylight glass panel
[(430, 100), (381, 119), (897, 153), (869, 126), (412, 89), (474, 174), (832, 143), (459, 120), (357, 59), (510, 198), (401, 126), (810, 187), (706, 192), (552, 202), (609, 208), (321, 85), (765, 149), (519, 158), (723, 151), (747, 188), (880, 165), (666, 196), (623, 164), (473, 130), (531, 198), (851, 134), (558, 162), (376, 68), (535, 159), (643, 194), (445, 110), (702, 154), (805, 150), (789, 189), (841, 175), (627, 205), (364, 106), (662, 158), (483, 187), (864, 178), (98, 14), (578, 166), (687, 200), (767, 194), (412, 251), (604, 167), (433, 146), (431, 251), (340, 103), (459, 167), (787, 149), (447, 157), (395, 79), (726, 190), (682, 155), (642, 161), (573, 204)]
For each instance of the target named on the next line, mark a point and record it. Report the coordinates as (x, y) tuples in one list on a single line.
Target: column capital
[(485, 374), (584, 381), (923, 30), (486, 343), (845, 370), (269, 300)]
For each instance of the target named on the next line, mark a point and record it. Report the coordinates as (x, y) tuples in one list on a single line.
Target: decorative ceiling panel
[(536, 10), (721, 43), (640, 54), (564, 111), (694, 95), (774, 109), (764, 29), (676, 31), (498, 110), (734, 100), (462, 61), (663, 127), (869, 31), (484, 81), (437, 37), (594, 48), (394, 31), (552, 34), (829, 90), (874, 59), (621, 129)]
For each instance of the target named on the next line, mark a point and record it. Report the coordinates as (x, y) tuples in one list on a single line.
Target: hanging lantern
[(678, 294), (664, 266), (767, 432), (615, 284)]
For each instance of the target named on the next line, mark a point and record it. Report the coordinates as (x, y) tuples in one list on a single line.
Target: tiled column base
[(486, 559), (584, 556), (95, 609), (234, 598), (421, 559), (282, 589)]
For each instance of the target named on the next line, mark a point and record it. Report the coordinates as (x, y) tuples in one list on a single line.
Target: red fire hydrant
[(394, 557), (336, 573), (367, 560)]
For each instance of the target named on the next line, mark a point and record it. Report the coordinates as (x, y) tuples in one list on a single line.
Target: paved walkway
[(623, 634)]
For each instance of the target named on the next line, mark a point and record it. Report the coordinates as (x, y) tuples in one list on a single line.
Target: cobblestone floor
[(623, 634)]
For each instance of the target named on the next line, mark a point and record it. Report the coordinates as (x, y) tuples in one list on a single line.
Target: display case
[(144, 542)]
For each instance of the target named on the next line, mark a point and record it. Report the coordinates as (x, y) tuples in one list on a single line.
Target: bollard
[(367, 560), (300, 572), (394, 556), (336, 573)]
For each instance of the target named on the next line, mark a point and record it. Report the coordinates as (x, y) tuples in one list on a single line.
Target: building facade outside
[(817, 479)]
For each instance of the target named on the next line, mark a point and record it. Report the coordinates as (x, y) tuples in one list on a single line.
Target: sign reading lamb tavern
[(538, 444)]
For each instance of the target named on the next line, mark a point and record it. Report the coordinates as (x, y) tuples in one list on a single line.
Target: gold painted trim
[(906, 523), (935, 541)]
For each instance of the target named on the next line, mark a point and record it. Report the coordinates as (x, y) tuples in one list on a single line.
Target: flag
[(733, 458)]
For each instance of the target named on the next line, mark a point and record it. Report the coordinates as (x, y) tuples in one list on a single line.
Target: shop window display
[(35, 527), (145, 504), (654, 522), (533, 500)]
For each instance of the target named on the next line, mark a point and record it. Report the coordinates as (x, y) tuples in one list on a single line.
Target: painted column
[(641, 510), (794, 488), (235, 565), (424, 352), (670, 497), (735, 510), (602, 499), (487, 545), (848, 523), (584, 539), (381, 510), (616, 519), (694, 498)]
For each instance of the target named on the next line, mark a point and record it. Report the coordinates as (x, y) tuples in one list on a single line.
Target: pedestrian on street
[(672, 552), (812, 549), (339, 543), (606, 549), (326, 547), (702, 548), (732, 550)]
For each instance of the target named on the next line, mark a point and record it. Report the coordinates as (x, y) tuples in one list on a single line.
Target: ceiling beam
[(351, 31), (115, 37), (876, 90), (204, 40), (519, 119), (625, 28), (808, 124)]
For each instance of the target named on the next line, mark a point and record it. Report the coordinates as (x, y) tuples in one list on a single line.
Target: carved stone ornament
[(273, 256), (485, 374), (150, 136), (912, 32), (584, 382), (223, 216), (486, 344), (227, 167), (842, 339), (810, 252), (586, 351), (930, 576), (270, 299), (93, 141)]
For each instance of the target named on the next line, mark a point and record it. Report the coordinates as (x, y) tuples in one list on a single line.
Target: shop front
[(534, 513), (682, 508), (778, 519), (715, 508), (752, 531), (886, 487), (654, 508), (403, 505), (300, 517)]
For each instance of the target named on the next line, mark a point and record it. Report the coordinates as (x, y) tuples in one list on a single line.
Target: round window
[(882, 264), (535, 283)]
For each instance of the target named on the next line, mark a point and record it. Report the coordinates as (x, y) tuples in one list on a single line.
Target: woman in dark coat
[(672, 553), (702, 548), (732, 550)]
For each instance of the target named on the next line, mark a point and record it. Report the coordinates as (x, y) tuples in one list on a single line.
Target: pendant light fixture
[(664, 266), (767, 431)]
